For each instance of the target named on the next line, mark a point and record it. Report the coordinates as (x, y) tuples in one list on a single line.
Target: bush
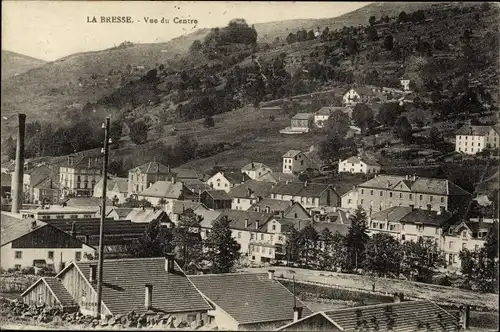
[(28, 270)]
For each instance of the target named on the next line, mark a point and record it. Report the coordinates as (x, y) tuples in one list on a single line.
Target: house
[(61, 212), (399, 316), (470, 235), (267, 306), (295, 161), (255, 170), (302, 122), (216, 199), (276, 177), (247, 193), (359, 165), (6, 185), (385, 191), (321, 116), (29, 242), (281, 209), (405, 82), (164, 289), (361, 94), (179, 207), (192, 189), (309, 195), (162, 192), (34, 176), (425, 224), (473, 139), (79, 176), (349, 200), (388, 221), (116, 189), (226, 180), (46, 191), (142, 177)]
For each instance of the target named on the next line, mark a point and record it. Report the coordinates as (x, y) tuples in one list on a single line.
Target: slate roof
[(394, 214), (208, 216), (112, 181), (56, 287), (476, 130), (300, 189), (124, 281), (80, 162), (249, 298), (165, 189), (13, 227), (258, 188), (420, 185), (47, 183), (287, 223), (218, 195), (405, 316), (237, 219), (186, 173), (302, 116), (86, 201), (426, 217), (39, 173), (152, 167), (357, 160), (253, 166)]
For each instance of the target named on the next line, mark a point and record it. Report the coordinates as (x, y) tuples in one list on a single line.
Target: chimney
[(169, 263), (297, 313), (148, 298), (246, 223), (33, 224), (270, 273), (292, 202), (412, 206), (464, 314), (172, 179), (249, 192), (282, 214), (17, 187), (256, 224), (259, 198), (93, 272), (268, 209)]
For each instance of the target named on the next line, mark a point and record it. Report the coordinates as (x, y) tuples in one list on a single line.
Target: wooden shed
[(49, 291)]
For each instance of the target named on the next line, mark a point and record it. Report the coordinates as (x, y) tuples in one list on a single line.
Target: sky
[(49, 30)]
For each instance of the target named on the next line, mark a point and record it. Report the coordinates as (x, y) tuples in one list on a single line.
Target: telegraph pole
[(105, 126)]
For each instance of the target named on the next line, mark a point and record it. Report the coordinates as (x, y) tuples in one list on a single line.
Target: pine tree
[(187, 238), (222, 248), (155, 242), (357, 237), (308, 243), (326, 254), (382, 254), (420, 259), (292, 245)]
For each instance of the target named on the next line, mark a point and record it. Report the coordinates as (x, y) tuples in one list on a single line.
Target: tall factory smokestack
[(17, 188)]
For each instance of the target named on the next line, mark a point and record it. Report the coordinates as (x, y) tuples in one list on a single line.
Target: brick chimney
[(297, 313), (270, 274), (169, 262)]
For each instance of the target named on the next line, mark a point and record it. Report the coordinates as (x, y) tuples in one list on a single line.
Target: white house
[(295, 161), (246, 194), (360, 94), (405, 82), (349, 200), (117, 189), (255, 170), (474, 139), (226, 180), (321, 116), (162, 192), (30, 242), (359, 165)]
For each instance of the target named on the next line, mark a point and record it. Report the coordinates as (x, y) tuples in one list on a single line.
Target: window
[(464, 234), (274, 227), (400, 195), (454, 258), (442, 199), (251, 236), (261, 237), (390, 194), (421, 197), (410, 196), (381, 193), (225, 185), (60, 216), (272, 238), (375, 225), (431, 198), (371, 192), (18, 254), (362, 191), (381, 226), (73, 216), (450, 245), (238, 200), (362, 200), (392, 227), (50, 255), (78, 256), (349, 201), (476, 247), (191, 318), (403, 237)]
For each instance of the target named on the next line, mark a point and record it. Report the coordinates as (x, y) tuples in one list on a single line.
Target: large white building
[(79, 177), (473, 139), (255, 170)]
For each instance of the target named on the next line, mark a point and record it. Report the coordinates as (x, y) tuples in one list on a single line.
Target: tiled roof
[(420, 185), (124, 286), (120, 211), (165, 189), (152, 167), (39, 173), (475, 130), (401, 316), (6, 180), (394, 214), (257, 188), (287, 223), (427, 217), (219, 195), (84, 162), (13, 227), (208, 216), (253, 166), (237, 219), (112, 181), (236, 177), (47, 183), (249, 298), (302, 116), (291, 153), (60, 291), (178, 207), (299, 189)]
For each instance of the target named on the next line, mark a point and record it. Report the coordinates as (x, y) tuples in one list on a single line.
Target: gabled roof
[(237, 219), (179, 207), (39, 173), (249, 298), (152, 167), (274, 204), (13, 227), (139, 215), (287, 223), (120, 211), (291, 153), (86, 201), (84, 162), (276, 177), (398, 317), (112, 181), (427, 217), (47, 183), (186, 173), (302, 189), (257, 188), (165, 189), (302, 116), (357, 160), (392, 214), (124, 283), (219, 195), (57, 289), (208, 216), (420, 185), (476, 130), (253, 166), (195, 186), (236, 177)]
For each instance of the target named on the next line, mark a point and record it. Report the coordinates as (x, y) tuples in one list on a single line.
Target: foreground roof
[(57, 289), (124, 280), (248, 297)]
